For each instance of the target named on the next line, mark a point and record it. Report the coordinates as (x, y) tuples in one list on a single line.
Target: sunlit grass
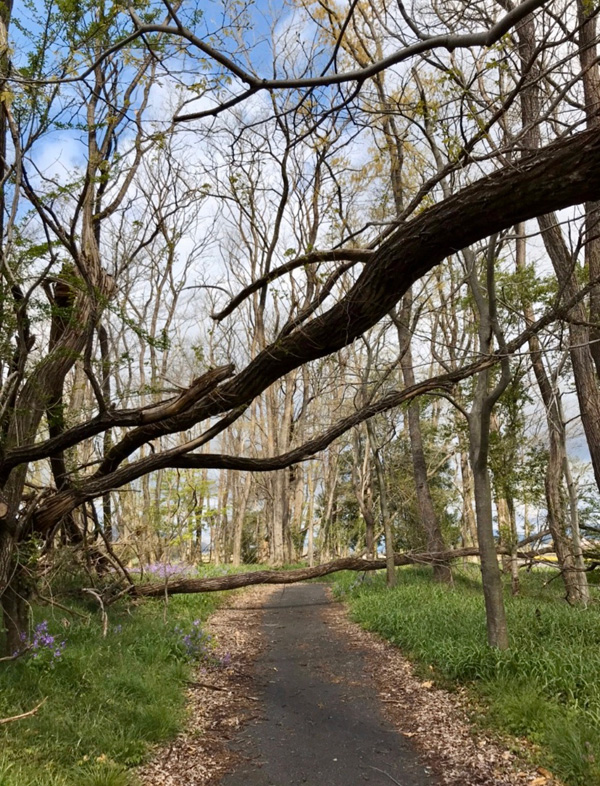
[(107, 698), (545, 687)]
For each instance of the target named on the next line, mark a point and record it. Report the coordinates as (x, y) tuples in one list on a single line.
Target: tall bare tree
[(475, 191)]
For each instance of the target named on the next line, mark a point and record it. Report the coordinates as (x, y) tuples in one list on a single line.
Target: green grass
[(546, 687), (107, 699)]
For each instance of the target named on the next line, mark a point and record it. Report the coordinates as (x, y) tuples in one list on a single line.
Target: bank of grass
[(545, 688), (107, 698)]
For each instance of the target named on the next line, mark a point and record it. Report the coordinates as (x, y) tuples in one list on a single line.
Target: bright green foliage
[(107, 698), (545, 686)]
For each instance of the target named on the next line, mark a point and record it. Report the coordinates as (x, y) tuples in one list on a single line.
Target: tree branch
[(558, 176), (180, 458), (337, 255), (449, 42), (113, 418), (237, 580)]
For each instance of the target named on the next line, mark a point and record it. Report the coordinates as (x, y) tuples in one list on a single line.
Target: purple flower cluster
[(196, 643), (43, 646), (166, 570)]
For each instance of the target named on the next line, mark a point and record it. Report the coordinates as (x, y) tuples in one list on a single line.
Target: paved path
[(321, 723)]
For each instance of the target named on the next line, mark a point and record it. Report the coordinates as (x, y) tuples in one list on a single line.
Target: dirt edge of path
[(436, 720), (220, 700)]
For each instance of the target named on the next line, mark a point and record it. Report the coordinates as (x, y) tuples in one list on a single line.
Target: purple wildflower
[(43, 646), (166, 570), (197, 644)]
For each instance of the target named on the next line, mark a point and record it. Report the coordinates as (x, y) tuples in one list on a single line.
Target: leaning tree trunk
[(575, 580), (583, 359), (14, 615), (41, 388), (590, 77)]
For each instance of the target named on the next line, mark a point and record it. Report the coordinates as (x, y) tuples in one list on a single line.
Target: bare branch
[(449, 42), (337, 255)]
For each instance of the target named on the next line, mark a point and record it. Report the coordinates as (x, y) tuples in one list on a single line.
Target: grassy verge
[(107, 698), (545, 688)]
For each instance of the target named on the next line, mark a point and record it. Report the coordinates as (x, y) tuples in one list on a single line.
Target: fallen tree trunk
[(237, 580)]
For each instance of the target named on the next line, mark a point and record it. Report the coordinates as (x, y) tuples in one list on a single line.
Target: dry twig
[(24, 714)]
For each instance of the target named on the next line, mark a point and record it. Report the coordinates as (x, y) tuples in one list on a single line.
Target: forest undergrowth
[(545, 688), (107, 698)]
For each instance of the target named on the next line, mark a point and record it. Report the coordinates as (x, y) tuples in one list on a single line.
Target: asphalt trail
[(321, 722)]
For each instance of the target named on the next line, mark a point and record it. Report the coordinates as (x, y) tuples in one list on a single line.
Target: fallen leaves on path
[(435, 720), (220, 700)]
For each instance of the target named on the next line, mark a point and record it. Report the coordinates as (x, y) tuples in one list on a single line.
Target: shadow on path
[(321, 723)]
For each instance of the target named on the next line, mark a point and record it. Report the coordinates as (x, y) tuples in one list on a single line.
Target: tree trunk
[(479, 420), (584, 590), (497, 630), (309, 518), (385, 513), (107, 508), (15, 618), (238, 521), (12, 602), (296, 512), (469, 523), (573, 578), (515, 582), (237, 580), (427, 515), (361, 481), (277, 518), (575, 585)]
